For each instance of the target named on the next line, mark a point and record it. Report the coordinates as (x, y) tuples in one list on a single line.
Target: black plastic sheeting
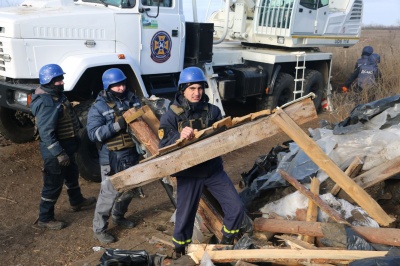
[(120, 257), (365, 112)]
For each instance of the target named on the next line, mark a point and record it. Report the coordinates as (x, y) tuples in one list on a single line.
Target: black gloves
[(63, 159), (122, 123)]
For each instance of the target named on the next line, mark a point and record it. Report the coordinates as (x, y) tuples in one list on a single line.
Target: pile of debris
[(330, 219), (321, 215)]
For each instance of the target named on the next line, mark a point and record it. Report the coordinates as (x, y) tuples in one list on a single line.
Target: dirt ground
[(23, 243)]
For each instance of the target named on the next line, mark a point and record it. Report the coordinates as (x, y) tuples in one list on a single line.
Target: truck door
[(310, 17), (163, 33)]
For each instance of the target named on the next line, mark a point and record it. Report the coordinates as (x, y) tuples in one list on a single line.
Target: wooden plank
[(315, 198), (295, 243), (142, 130), (150, 118), (330, 168), (351, 171), (385, 236), (288, 256), (379, 173), (312, 210), (217, 145)]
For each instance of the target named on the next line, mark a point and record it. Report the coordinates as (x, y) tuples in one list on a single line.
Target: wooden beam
[(330, 168), (351, 171), (141, 129), (385, 236), (379, 173), (217, 145), (288, 256), (312, 210), (315, 198)]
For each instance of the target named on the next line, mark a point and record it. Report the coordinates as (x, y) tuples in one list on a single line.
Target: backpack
[(367, 76)]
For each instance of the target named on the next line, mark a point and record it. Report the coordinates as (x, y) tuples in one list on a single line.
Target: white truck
[(265, 50)]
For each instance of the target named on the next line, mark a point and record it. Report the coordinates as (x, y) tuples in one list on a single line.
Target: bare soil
[(23, 243)]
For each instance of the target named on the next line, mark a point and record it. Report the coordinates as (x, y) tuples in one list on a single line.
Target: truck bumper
[(16, 96)]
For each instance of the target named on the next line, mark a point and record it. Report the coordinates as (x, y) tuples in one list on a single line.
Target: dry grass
[(387, 44)]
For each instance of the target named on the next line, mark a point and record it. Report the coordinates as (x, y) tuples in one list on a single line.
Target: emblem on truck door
[(160, 47)]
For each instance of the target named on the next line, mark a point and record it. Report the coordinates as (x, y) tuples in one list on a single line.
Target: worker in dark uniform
[(367, 75), (191, 112), (107, 127), (58, 128)]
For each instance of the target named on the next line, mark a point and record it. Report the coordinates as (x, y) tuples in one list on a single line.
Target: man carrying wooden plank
[(189, 113), (107, 127)]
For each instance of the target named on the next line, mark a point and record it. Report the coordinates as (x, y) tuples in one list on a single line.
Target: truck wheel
[(283, 93), (87, 157), (314, 82), (16, 126)]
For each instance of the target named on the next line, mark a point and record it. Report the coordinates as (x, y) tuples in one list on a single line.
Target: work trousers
[(189, 190), (54, 176), (106, 204)]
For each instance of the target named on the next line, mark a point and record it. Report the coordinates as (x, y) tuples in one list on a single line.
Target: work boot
[(52, 224), (123, 222), (104, 237), (130, 194), (85, 204), (179, 252)]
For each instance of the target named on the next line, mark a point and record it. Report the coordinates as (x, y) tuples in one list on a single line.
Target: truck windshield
[(117, 3)]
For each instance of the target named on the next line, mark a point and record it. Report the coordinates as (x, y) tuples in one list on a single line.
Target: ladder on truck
[(300, 67)]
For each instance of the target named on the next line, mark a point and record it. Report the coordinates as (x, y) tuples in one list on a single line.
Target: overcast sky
[(376, 12)]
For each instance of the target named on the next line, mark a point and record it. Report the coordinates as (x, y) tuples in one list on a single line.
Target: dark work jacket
[(47, 107), (101, 119), (169, 123)]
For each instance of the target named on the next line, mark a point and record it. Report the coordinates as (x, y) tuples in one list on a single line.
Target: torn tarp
[(383, 113)]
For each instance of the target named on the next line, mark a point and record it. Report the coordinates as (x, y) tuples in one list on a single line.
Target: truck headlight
[(281, 40), (22, 98)]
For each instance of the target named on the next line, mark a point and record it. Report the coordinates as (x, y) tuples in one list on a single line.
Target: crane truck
[(261, 50)]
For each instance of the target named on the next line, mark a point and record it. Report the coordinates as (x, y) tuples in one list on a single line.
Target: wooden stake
[(352, 171), (315, 198), (312, 211)]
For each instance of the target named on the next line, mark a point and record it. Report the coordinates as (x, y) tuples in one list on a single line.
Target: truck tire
[(314, 82), (283, 93), (16, 126), (87, 157)]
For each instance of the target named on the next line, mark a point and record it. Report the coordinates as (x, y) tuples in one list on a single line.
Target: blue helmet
[(191, 75), (367, 50), (112, 76), (48, 72)]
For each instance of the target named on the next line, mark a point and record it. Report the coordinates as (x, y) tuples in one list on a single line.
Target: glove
[(345, 89), (122, 123), (63, 159)]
